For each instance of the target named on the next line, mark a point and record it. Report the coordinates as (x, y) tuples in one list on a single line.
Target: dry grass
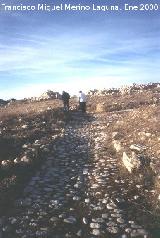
[(141, 126), (119, 102), (17, 109), (138, 116)]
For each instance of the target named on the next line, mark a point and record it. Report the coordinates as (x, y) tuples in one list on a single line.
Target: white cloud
[(78, 61)]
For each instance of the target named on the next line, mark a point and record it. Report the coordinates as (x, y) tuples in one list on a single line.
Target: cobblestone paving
[(76, 193)]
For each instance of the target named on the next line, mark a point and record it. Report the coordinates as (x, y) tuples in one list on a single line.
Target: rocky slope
[(81, 175), (79, 190)]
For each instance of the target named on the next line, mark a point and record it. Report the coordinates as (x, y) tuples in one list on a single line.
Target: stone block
[(131, 162), (117, 145), (138, 148), (100, 107)]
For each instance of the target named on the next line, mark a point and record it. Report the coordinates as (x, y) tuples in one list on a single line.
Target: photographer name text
[(80, 7)]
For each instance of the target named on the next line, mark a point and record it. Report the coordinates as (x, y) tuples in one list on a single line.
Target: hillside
[(82, 175)]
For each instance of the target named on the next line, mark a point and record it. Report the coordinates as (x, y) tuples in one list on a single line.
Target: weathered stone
[(95, 225), (120, 220), (87, 200), (85, 221), (54, 219), (138, 148), (98, 220), (105, 216), (96, 232), (6, 164), (24, 126), (76, 198), (117, 145), (132, 162), (25, 159), (70, 220), (113, 229), (100, 107)]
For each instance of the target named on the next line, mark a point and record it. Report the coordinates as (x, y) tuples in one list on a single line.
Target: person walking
[(82, 101), (65, 99)]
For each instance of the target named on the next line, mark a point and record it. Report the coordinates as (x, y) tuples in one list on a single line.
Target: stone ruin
[(132, 158), (103, 92), (135, 159), (49, 94), (126, 89)]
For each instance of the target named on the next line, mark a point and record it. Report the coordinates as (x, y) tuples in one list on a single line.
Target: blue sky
[(76, 50)]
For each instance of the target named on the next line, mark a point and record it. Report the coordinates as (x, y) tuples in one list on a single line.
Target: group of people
[(81, 99)]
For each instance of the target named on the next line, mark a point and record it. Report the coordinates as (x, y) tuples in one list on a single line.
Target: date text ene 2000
[(142, 7)]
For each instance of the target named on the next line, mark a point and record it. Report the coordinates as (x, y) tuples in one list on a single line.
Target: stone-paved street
[(76, 193)]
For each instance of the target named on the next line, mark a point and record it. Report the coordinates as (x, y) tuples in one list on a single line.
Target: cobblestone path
[(76, 193)]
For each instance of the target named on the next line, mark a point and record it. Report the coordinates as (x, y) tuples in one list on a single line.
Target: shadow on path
[(52, 204)]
